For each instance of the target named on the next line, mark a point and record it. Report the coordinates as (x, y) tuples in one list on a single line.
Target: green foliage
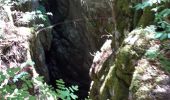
[(156, 55), (162, 13), (66, 93), (162, 21), (40, 15), (152, 54), (18, 83), (162, 35), (142, 5), (8, 87), (165, 63), (149, 3), (15, 84)]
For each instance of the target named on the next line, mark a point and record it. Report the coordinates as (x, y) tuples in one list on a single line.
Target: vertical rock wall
[(80, 28), (113, 81)]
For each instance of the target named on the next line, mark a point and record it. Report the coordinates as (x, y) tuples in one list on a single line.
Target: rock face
[(62, 45), (15, 51), (115, 84), (14, 41), (117, 80), (81, 27), (24, 23), (76, 33), (132, 76)]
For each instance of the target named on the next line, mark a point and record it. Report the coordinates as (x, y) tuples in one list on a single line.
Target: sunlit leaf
[(164, 36), (168, 35), (158, 35), (74, 97), (75, 87), (151, 54)]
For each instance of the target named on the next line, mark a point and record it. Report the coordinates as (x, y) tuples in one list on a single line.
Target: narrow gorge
[(109, 48)]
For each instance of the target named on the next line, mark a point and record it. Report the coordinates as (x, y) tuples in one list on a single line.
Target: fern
[(9, 90), (66, 93)]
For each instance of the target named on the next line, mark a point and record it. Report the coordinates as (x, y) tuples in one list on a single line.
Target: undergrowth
[(20, 84), (162, 31)]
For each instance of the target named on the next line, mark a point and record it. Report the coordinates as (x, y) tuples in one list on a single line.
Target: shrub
[(19, 84), (162, 16)]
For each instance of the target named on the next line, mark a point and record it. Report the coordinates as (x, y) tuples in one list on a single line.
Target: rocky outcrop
[(70, 37), (27, 23), (149, 82), (115, 84), (63, 46), (14, 51), (114, 80), (132, 75), (80, 28), (14, 42)]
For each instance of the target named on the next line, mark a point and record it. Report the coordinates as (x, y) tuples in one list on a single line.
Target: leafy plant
[(9, 89), (148, 3), (152, 54), (16, 83), (162, 14), (162, 22), (66, 93)]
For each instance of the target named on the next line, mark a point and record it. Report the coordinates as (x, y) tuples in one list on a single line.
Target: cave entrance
[(69, 58), (76, 33)]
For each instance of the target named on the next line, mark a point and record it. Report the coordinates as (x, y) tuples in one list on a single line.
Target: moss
[(121, 90), (107, 84), (147, 18), (119, 78), (123, 17), (143, 92), (124, 6)]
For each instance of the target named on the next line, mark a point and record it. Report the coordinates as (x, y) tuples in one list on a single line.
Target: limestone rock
[(122, 74)]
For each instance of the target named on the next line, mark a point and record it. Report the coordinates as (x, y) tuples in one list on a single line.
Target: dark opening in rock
[(69, 56)]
